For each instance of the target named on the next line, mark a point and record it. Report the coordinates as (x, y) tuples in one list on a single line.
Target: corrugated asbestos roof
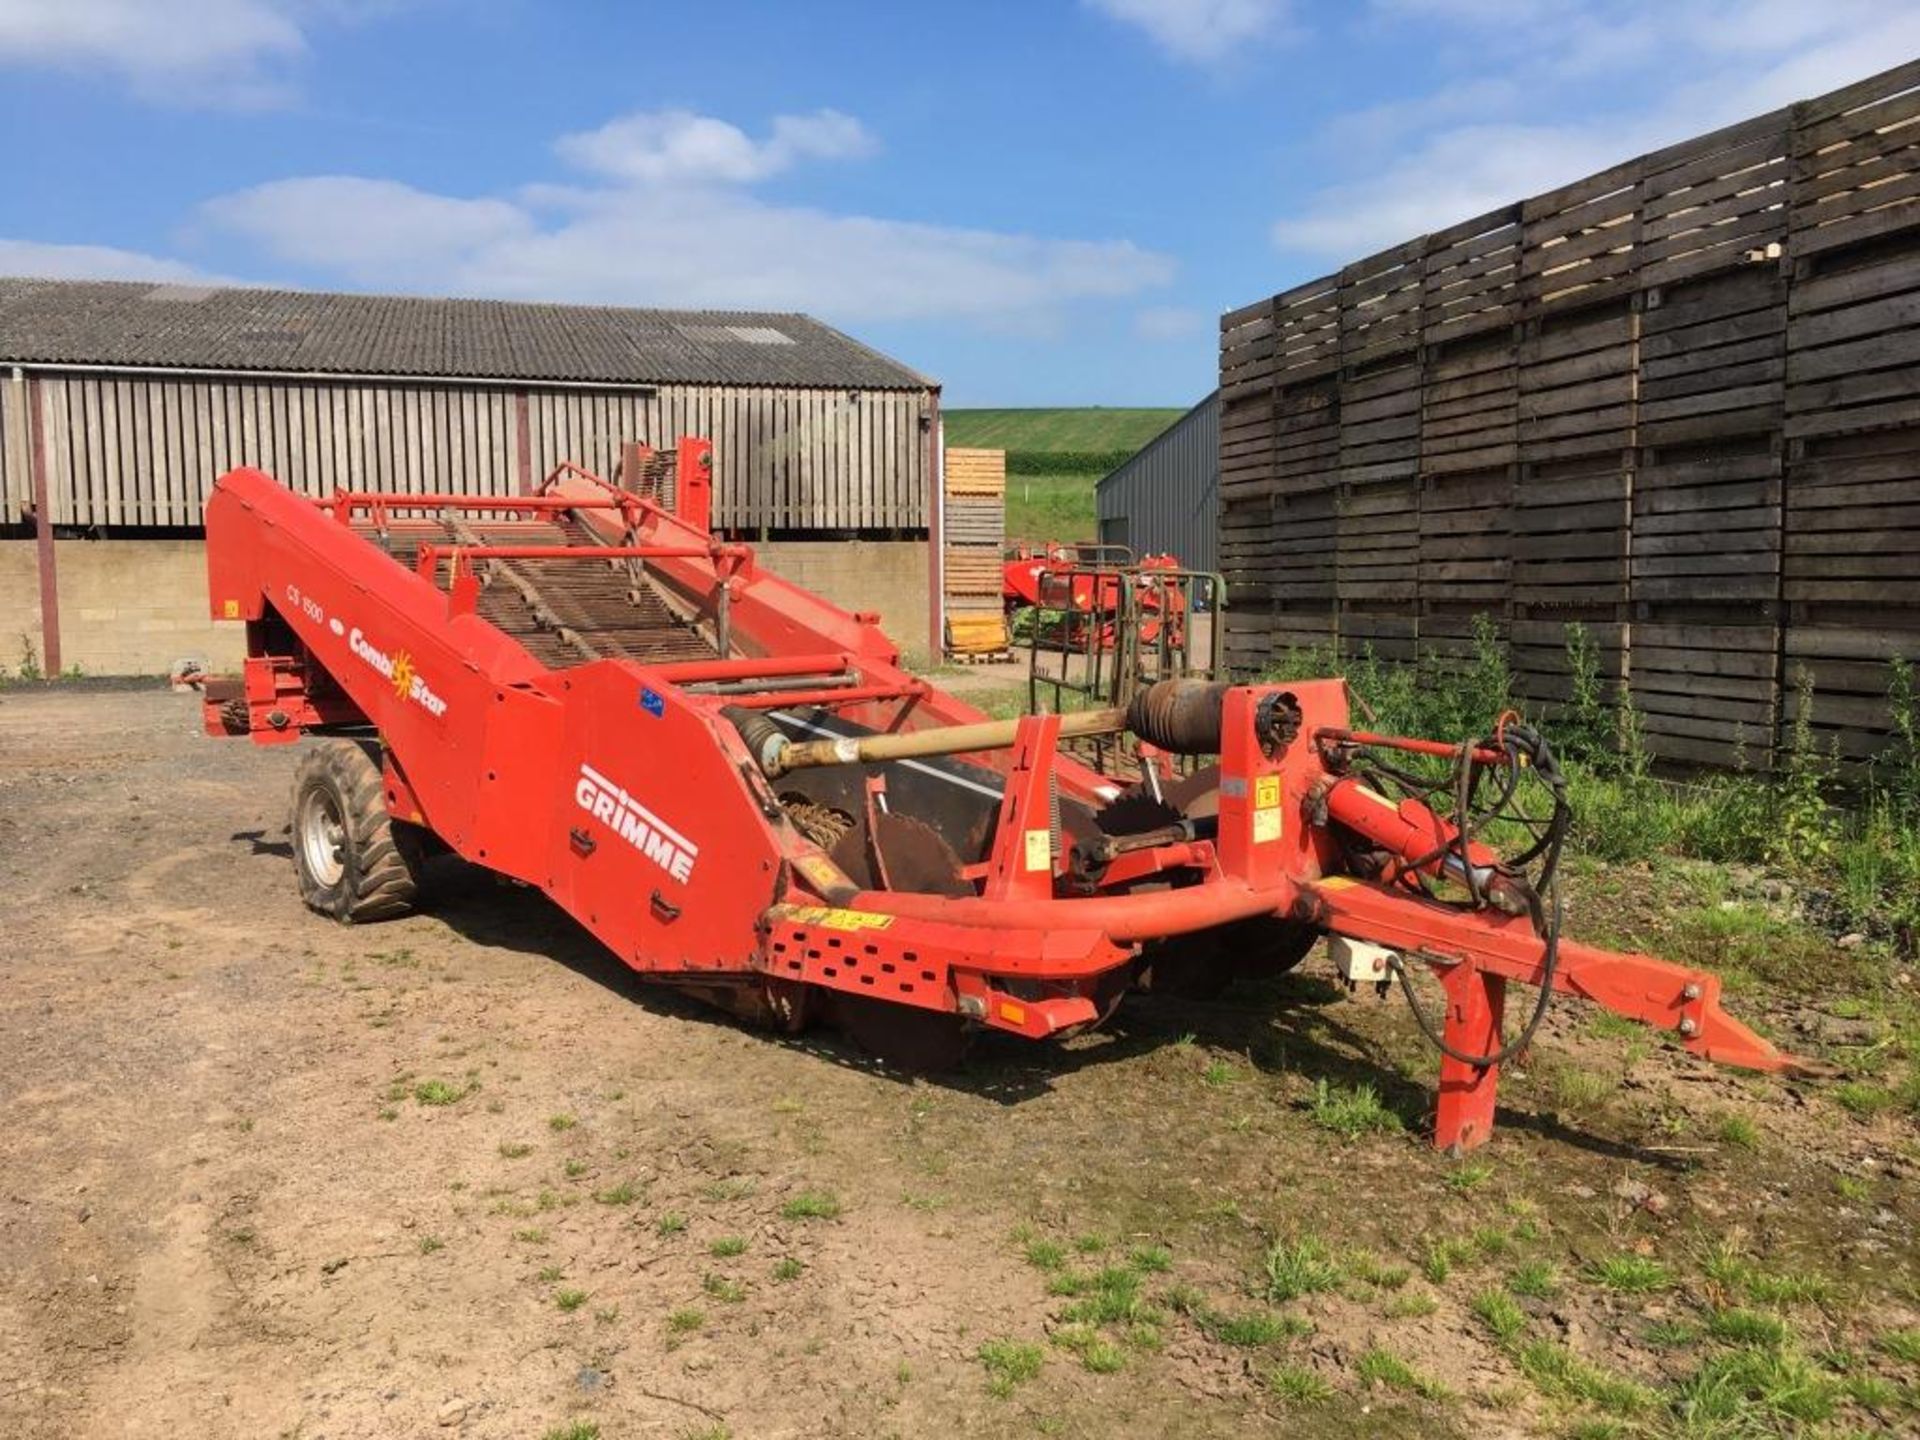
[(205, 327)]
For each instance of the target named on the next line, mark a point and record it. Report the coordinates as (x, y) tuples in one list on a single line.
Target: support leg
[(1475, 1003)]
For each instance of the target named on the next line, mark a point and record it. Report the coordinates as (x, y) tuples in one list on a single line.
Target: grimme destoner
[(733, 784)]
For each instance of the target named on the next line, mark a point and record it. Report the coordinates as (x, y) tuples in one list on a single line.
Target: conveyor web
[(562, 614)]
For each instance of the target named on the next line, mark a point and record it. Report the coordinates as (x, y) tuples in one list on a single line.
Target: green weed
[(1495, 1309), (1298, 1266), (1296, 1385), (569, 1300), (812, 1205), (1351, 1111), (1009, 1363), (728, 1246), (1632, 1274)]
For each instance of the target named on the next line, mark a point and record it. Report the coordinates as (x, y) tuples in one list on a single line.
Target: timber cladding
[(1677, 402), (133, 450)]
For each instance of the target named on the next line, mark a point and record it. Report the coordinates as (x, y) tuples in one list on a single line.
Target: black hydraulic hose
[(1549, 966), (1523, 746)]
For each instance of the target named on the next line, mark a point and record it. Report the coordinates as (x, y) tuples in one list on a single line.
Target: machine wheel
[(353, 860)]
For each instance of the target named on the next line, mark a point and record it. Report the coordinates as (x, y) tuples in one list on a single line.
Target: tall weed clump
[(1866, 850)]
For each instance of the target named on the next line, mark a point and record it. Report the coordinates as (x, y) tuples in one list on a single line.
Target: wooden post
[(522, 442), (43, 533), (936, 505)]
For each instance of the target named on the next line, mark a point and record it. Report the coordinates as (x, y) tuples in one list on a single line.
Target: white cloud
[(371, 231), (1171, 322), (183, 51), (1202, 32), (91, 262), (668, 146), (677, 226), (1475, 141)]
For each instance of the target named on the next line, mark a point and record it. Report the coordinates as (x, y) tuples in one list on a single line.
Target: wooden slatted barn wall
[(786, 459), (16, 484), (1678, 402), (141, 449)]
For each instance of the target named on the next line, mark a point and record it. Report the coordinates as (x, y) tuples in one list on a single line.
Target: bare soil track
[(263, 1175)]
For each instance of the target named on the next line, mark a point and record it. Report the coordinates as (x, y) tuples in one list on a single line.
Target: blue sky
[(1034, 201)]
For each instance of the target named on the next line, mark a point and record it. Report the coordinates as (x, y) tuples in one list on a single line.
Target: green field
[(1052, 498), (1094, 428)]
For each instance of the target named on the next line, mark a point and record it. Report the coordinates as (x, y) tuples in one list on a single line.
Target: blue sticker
[(653, 702)]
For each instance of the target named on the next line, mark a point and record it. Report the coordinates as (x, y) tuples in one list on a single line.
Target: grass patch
[(1737, 1388), (431, 1243), (1009, 1363), (1630, 1274), (1108, 1297), (569, 1300), (1351, 1111), (1219, 1073), (1442, 1255), (1297, 1385), (671, 1223), (440, 1092), (1150, 1259), (1497, 1311), (812, 1205), (1046, 1254), (1383, 1368), (1412, 1305), (1739, 1132), (728, 1246), (1463, 1178), (1262, 1327), (1298, 1266), (625, 1193), (1555, 1370), (574, 1430), (685, 1320), (788, 1269), (1096, 1352), (721, 1288), (1746, 1327), (560, 1124), (1902, 1345), (514, 1150), (1536, 1279)]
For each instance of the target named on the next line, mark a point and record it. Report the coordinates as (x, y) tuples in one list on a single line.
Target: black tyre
[(354, 861)]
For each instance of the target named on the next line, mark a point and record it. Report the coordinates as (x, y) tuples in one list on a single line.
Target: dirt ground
[(262, 1175)]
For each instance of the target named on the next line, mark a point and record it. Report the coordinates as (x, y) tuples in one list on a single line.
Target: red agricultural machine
[(733, 785), (1089, 586)]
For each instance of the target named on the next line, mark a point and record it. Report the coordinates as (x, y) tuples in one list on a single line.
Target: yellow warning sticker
[(1266, 792), (822, 872), (1266, 826), (1039, 850), (832, 917), (230, 609)]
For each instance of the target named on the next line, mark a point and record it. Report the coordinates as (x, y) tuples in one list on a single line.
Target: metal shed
[(121, 402), (1166, 499)]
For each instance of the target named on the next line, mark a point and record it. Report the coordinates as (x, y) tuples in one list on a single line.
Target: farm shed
[(1166, 499), (120, 403), (1674, 401)]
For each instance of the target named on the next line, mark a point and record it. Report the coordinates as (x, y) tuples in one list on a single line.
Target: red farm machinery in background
[(733, 785)]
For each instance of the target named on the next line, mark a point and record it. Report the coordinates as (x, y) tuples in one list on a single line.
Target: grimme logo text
[(614, 808)]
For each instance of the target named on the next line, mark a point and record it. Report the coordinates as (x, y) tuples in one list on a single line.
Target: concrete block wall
[(890, 576), (127, 607), (139, 607)]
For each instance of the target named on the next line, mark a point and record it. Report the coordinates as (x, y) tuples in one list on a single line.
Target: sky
[(1035, 202)]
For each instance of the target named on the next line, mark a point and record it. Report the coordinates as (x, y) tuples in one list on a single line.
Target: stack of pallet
[(1673, 403), (975, 531)]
